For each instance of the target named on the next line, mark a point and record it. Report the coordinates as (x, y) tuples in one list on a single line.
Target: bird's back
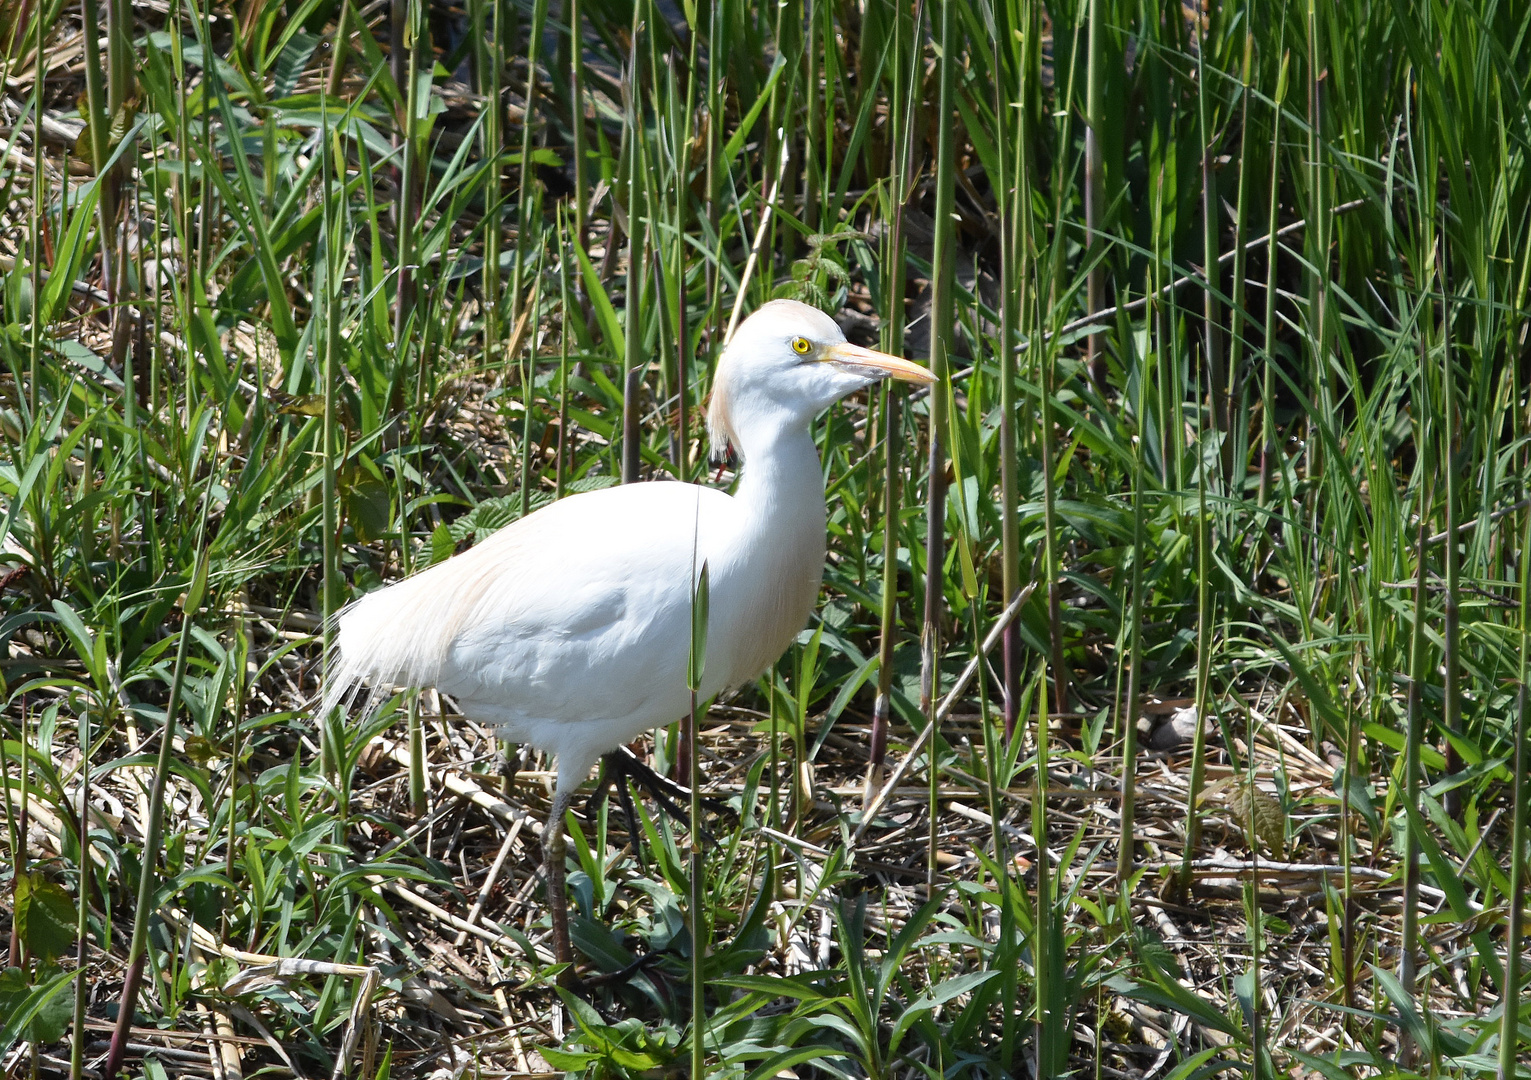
[(580, 612)]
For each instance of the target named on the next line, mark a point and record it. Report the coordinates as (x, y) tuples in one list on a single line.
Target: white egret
[(570, 629)]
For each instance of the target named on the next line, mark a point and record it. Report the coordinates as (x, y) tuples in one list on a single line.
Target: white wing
[(577, 613)]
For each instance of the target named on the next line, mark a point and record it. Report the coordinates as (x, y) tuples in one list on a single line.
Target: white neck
[(782, 481), (776, 557)]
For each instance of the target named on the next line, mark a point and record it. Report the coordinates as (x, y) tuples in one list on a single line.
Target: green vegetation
[(1226, 478)]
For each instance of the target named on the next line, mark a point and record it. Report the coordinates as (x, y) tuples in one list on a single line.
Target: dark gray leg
[(554, 851)]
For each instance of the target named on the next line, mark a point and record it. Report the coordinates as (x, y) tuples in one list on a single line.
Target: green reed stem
[(35, 244), (1451, 711), (328, 293), (489, 63), (1235, 459), (1413, 736), (84, 895), (1093, 178), (1268, 447), (564, 330), (698, 911), (901, 122), (942, 332), (528, 203), (406, 214), (1216, 378), (577, 118), (1509, 1031), (1127, 705), (1012, 286), (1206, 614), (678, 256), (632, 363)]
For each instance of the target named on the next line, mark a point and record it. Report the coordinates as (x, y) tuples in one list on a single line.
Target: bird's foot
[(622, 765)]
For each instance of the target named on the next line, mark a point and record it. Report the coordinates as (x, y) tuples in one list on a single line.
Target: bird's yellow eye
[(800, 346)]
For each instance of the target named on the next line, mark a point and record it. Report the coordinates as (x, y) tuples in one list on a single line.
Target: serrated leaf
[(290, 62), (443, 544), (1260, 815), (591, 483), (122, 120), (492, 515)]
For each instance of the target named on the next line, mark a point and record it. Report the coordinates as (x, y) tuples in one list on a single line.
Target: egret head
[(787, 363)]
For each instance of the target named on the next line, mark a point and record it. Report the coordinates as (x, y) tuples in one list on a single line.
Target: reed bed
[(1164, 714)]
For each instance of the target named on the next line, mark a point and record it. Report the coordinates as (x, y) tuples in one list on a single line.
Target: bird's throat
[(779, 550)]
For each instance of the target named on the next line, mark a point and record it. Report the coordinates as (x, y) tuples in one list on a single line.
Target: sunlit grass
[(1230, 308)]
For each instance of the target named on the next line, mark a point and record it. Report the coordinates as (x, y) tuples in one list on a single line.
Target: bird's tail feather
[(382, 640), (344, 680)]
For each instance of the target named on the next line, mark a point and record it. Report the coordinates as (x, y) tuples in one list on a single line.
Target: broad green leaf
[(22, 1006), (45, 916)]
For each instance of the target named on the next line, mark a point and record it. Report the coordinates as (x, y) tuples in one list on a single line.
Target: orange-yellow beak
[(871, 362)]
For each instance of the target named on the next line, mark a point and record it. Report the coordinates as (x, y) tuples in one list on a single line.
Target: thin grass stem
[(943, 331)]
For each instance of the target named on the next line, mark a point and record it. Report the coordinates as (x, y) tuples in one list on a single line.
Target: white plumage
[(570, 629)]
